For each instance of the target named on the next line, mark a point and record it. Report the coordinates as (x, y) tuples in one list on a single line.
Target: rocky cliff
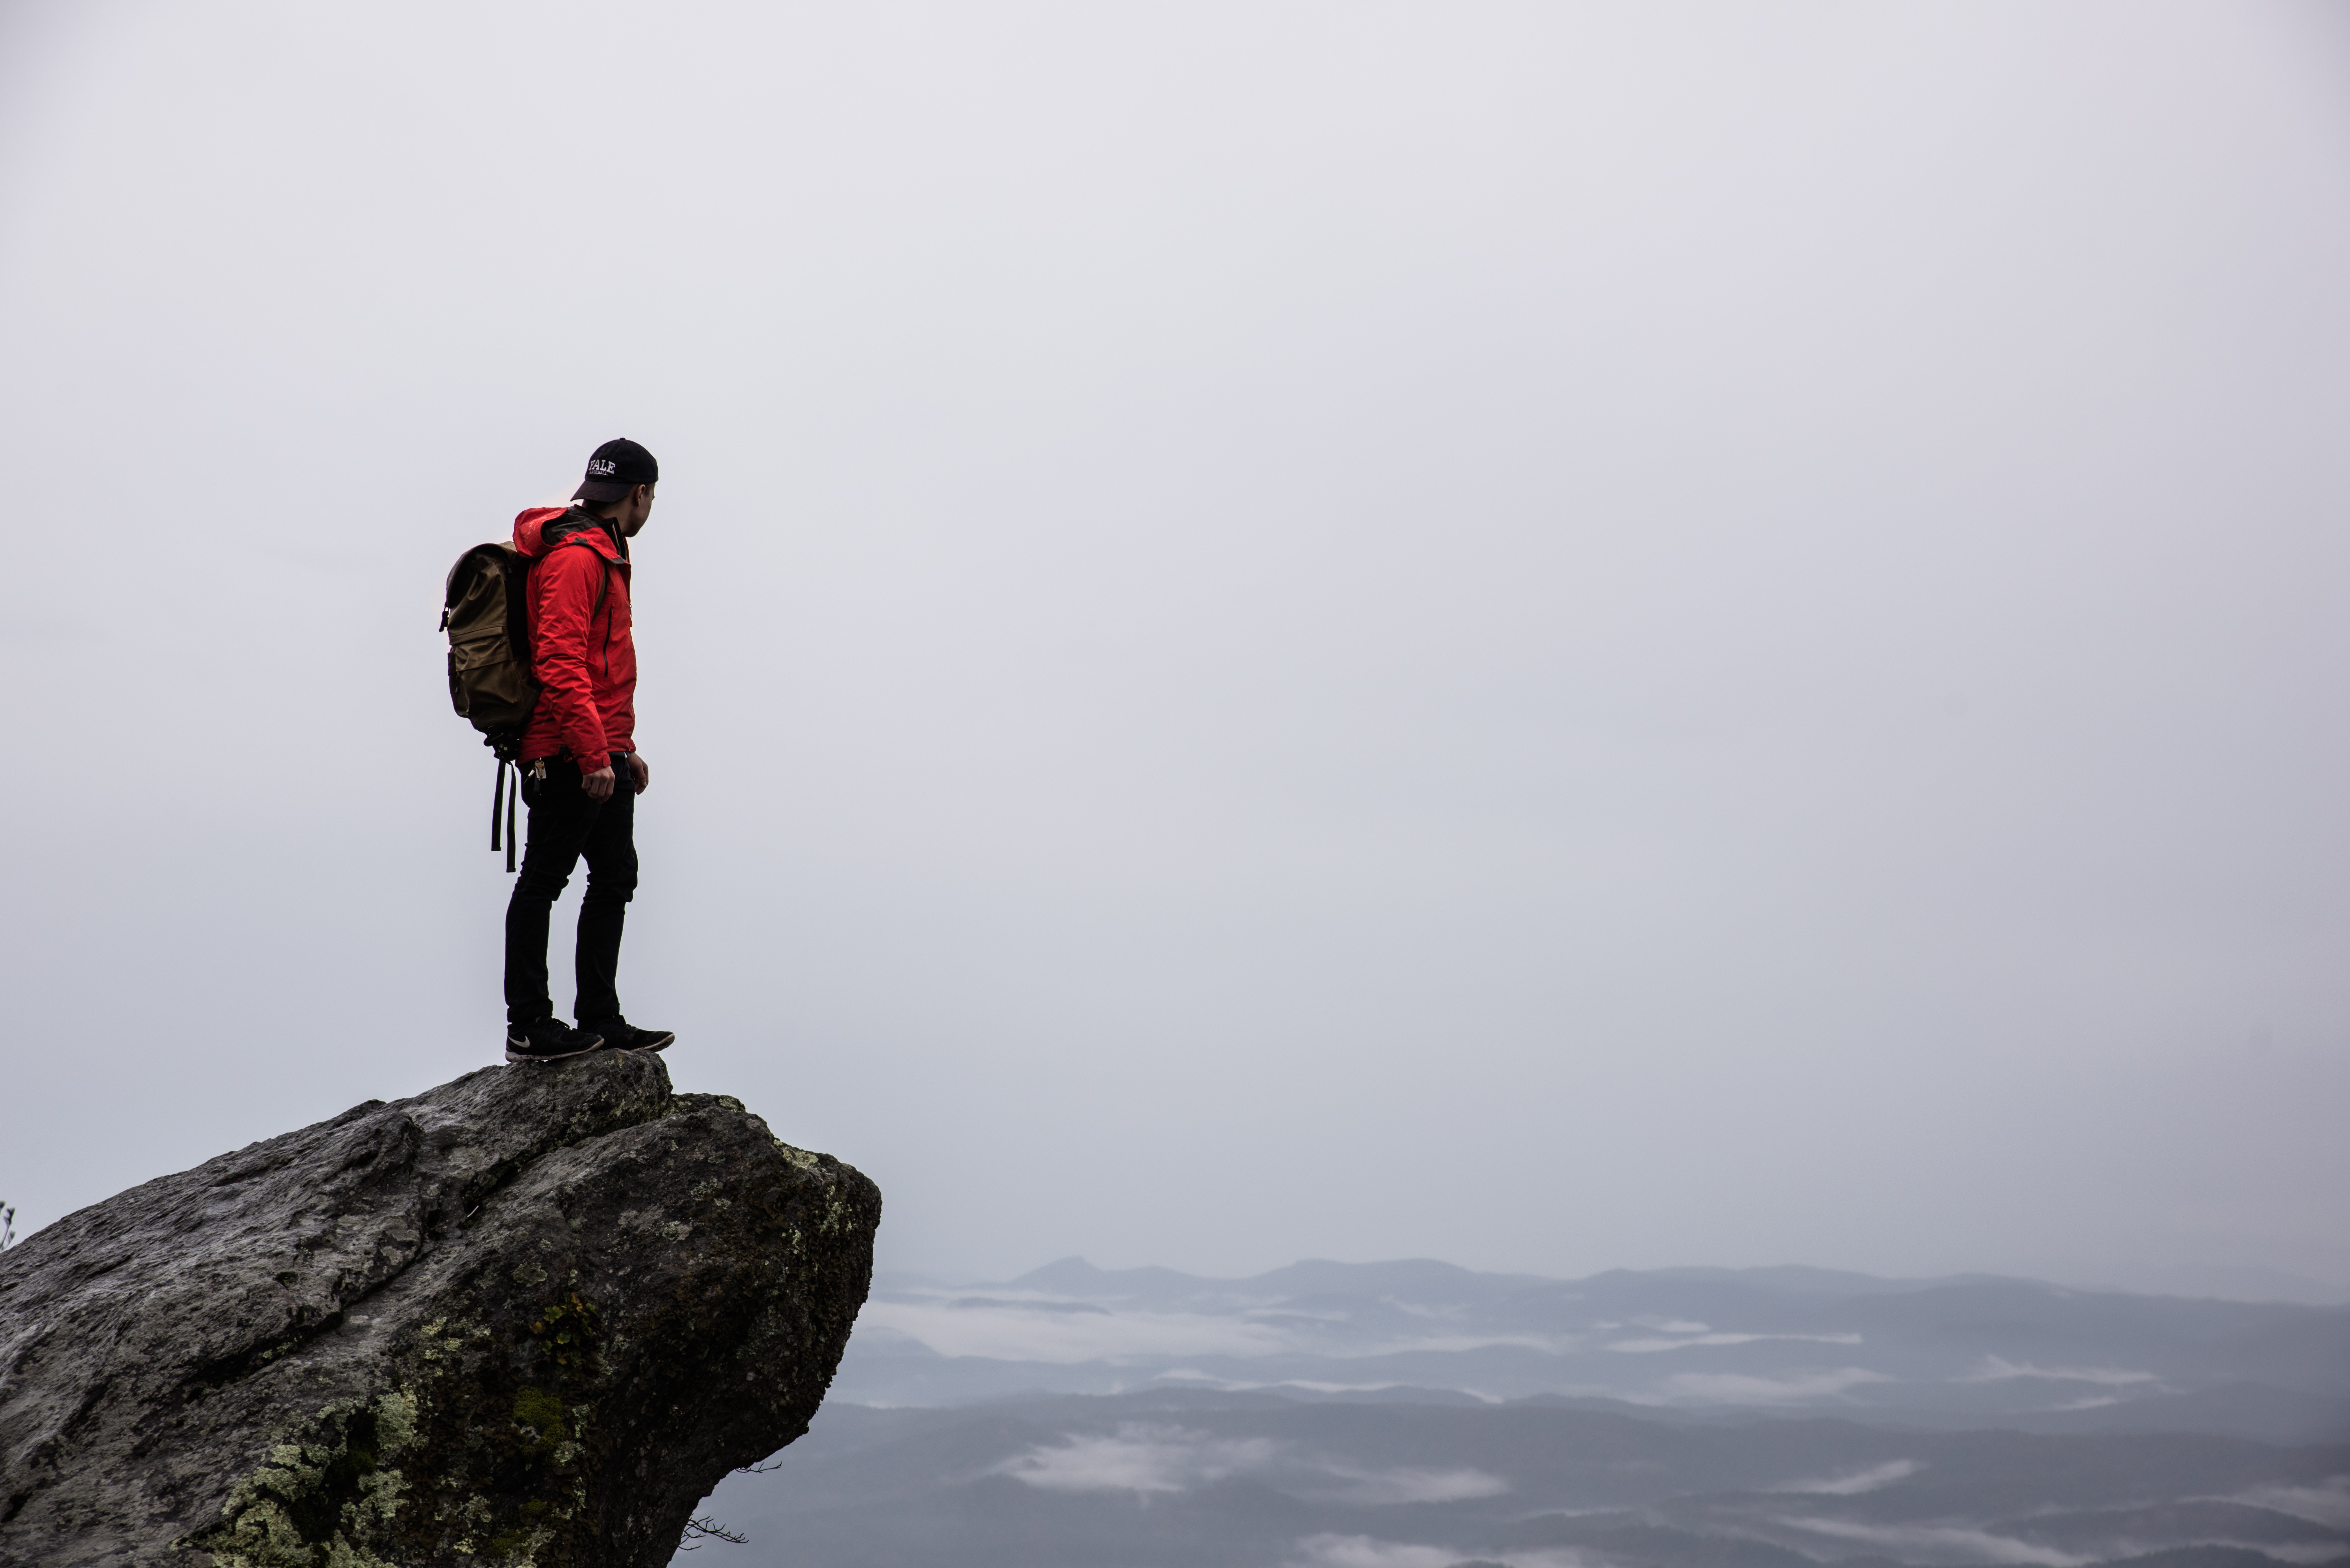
[(529, 1318)]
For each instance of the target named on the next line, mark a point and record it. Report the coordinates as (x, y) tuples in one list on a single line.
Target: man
[(580, 770)]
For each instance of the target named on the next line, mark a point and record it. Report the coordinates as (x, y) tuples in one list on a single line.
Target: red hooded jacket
[(581, 651)]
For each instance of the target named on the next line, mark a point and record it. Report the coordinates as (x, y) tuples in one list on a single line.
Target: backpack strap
[(502, 795), (603, 581), (527, 647)]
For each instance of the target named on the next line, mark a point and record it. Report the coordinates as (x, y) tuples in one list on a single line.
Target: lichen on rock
[(529, 1318), (337, 1493)]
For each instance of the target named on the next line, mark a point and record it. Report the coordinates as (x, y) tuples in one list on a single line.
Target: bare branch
[(699, 1530)]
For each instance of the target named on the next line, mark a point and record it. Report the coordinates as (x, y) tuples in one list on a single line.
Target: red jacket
[(581, 651)]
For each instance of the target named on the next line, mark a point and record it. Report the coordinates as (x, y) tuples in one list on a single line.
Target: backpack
[(485, 610)]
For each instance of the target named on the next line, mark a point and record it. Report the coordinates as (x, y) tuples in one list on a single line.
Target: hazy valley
[(1415, 1415)]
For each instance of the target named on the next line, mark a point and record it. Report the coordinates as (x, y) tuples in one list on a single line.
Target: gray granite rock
[(529, 1318)]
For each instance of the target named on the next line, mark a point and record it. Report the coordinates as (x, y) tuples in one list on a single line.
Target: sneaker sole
[(664, 1044), (515, 1056)]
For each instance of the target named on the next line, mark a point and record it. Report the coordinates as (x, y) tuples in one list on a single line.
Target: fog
[(1552, 636)]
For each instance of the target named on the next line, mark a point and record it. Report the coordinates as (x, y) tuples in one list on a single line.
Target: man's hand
[(639, 775), (599, 784)]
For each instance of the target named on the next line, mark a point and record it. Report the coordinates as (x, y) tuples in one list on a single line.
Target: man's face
[(636, 509)]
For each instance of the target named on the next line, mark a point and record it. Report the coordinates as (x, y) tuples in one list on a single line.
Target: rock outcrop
[(529, 1319)]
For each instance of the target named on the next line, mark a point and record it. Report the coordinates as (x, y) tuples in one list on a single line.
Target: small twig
[(697, 1531)]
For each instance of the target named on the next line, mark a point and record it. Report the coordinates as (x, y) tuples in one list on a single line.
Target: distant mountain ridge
[(1075, 1273)]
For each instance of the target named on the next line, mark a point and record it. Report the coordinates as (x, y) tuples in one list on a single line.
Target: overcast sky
[(1551, 636)]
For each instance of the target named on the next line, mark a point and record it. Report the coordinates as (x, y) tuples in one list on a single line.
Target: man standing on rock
[(580, 770)]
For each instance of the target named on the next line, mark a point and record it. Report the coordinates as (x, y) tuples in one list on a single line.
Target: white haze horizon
[(1555, 638), (2249, 1284)]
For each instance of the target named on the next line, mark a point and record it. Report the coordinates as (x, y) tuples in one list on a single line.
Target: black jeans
[(565, 825)]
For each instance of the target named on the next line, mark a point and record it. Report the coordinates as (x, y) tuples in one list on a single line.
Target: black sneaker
[(549, 1040), (623, 1035)]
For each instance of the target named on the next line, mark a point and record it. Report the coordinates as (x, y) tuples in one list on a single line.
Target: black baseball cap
[(616, 468)]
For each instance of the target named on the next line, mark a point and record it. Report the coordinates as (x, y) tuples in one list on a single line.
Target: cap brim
[(601, 490)]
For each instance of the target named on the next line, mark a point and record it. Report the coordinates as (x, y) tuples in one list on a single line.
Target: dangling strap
[(510, 834), (497, 803)]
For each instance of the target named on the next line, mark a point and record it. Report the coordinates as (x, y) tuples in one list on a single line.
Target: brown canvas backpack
[(485, 610), (486, 616)]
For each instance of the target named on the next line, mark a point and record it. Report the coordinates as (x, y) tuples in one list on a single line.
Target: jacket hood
[(530, 533)]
